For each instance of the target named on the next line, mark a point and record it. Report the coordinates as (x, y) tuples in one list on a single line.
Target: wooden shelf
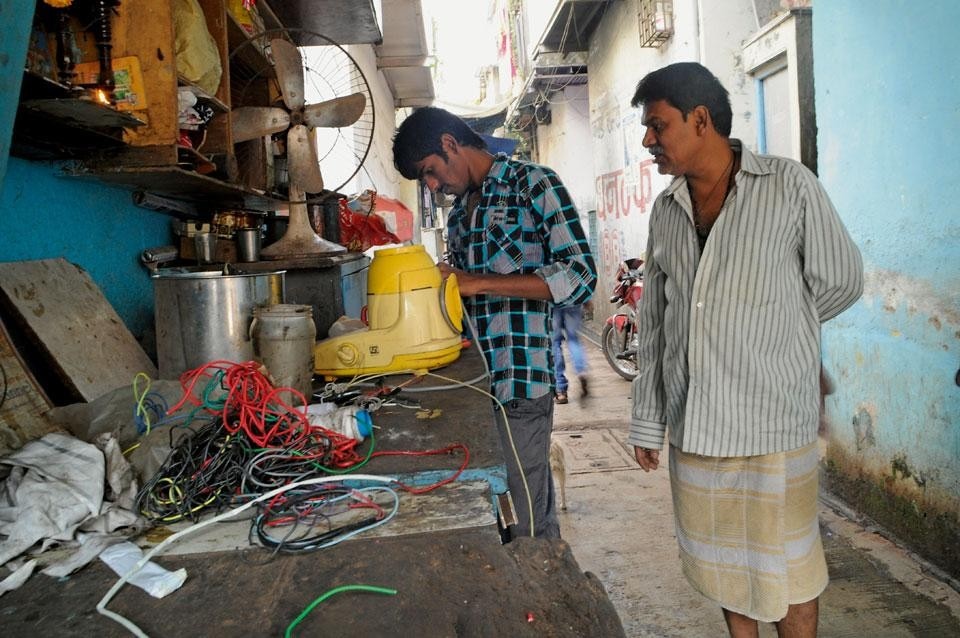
[(36, 86), (248, 64), (141, 150), (270, 19), (178, 183), (57, 121), (83, 113)]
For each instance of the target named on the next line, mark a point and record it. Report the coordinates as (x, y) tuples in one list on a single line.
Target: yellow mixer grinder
[(414, 316)]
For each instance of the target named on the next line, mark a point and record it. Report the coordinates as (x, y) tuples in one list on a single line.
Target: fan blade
[(302, 160), (249, 122), (341, 111), (289, 65)]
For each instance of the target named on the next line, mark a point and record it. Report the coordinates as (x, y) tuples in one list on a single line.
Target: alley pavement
[(619, 524)]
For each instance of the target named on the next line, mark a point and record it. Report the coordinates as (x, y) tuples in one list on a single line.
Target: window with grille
[(656, 22)]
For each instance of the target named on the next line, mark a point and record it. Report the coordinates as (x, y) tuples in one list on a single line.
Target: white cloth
[(151, 578), (56, 488)]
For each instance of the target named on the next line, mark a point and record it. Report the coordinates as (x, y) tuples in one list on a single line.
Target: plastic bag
[(198, 59), (359, 227)]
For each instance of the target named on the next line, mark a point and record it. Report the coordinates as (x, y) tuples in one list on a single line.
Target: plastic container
[(349, 420)]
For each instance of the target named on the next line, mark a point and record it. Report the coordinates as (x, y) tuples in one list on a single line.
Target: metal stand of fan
[(300, 240)]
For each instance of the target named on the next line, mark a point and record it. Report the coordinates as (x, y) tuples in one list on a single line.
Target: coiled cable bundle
[(256, 443), (305, 520), (203, 469)]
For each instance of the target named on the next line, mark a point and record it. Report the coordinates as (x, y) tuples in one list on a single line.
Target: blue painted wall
[(44, 216), (887, 76), (14, 14)]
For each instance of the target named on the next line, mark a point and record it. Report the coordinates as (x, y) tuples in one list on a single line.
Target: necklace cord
[(698, 208)]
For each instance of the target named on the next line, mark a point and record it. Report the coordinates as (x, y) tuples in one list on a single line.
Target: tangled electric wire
[(321, 516), (254, 442), (203, 469)]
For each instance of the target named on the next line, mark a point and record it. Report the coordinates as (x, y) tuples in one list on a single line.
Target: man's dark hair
[(685, 86), (419, 136)]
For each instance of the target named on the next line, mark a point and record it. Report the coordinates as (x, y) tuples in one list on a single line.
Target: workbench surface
[(457, 415), (442, 554), (457, 583)]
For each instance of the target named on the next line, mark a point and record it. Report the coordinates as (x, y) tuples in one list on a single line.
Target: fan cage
[(329, 72)]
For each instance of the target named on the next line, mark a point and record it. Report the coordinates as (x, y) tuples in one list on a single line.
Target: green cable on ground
[(334, 592)]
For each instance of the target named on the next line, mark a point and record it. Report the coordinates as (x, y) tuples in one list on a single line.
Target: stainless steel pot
[(204, 316)]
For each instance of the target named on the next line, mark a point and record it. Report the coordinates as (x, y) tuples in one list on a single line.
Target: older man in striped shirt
[(746, 258)]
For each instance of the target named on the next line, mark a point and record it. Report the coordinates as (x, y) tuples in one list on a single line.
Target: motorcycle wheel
[(610, 341)]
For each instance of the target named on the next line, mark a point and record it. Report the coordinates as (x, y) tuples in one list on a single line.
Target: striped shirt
[(524, 223), (729, 340)]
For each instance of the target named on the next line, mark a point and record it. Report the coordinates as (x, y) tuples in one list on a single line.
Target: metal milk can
[(283, 337)]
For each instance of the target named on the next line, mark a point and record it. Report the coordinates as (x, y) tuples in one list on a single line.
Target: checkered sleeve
[(570, 271)]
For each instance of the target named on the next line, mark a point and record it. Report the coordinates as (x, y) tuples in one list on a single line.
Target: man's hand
[(464, 279), (446, 270), (648, 459), (527, 286)]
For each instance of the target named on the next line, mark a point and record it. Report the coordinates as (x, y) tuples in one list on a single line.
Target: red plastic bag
[(359, 227)]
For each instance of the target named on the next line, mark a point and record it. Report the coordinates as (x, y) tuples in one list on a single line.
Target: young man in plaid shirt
[(517, 248)]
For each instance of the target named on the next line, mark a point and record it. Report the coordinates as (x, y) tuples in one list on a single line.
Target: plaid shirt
[(525, 223)]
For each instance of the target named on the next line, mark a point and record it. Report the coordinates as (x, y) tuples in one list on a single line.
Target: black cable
[(3, 373), (310, 543), (272, 467), (202, 471), (305, 509)]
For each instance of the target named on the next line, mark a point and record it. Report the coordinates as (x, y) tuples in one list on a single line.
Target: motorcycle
[(619, 337)]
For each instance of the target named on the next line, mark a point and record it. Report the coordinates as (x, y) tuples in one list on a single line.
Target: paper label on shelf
[(128, 89)]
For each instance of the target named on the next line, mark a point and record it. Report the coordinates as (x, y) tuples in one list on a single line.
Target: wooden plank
[(135, 156), (219, 139), (451, 507), (254, 159), (23, 405), (71, 319), (83, 113), (215, 12), (270, 19), (145, 29), (179, 183)]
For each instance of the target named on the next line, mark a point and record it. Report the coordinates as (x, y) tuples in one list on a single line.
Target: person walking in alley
[(566, 327), (746, 257), (517, 248)]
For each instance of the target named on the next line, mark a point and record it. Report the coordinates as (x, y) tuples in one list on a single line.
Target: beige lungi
[(748, 529)]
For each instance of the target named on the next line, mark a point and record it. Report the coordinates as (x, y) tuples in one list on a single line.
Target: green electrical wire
[(141, 398), (334, 592)]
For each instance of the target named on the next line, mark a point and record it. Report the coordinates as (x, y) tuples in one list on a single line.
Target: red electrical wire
[(253, 406), (446, 450)]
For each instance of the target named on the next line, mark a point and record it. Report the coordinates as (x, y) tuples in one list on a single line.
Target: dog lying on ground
[(558, 467)]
